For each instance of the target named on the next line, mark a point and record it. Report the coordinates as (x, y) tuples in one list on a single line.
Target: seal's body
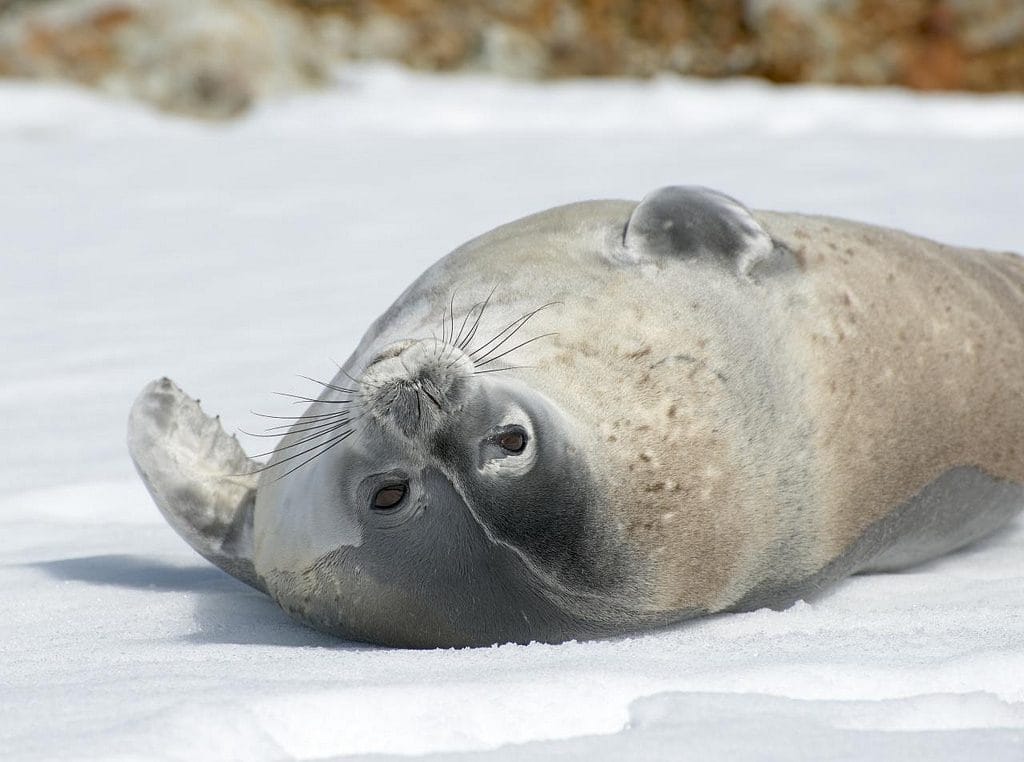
[(614, 415)]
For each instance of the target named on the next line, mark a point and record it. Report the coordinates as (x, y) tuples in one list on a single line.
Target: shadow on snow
[(226, 611)]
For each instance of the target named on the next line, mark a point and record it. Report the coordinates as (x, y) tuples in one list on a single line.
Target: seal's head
[(456, 508)]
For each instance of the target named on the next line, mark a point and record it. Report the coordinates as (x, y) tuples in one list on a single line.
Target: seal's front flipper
[(690, 222), (200, 478)]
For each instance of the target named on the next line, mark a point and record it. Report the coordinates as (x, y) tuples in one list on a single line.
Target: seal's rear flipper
[(200, 478)]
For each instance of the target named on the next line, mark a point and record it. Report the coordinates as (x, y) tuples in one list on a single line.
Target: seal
[(613, 415)]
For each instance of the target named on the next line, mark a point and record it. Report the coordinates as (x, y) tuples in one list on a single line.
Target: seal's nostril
[(393, 351)]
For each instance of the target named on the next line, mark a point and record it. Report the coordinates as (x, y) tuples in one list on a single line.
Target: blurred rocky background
[(215, 58)]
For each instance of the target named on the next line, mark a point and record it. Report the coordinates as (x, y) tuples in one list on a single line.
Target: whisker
[(465, 319), (329, 386), (522, 321), (457, 341), (451, 315), (314, 457), (338, 438), (298, 417), (476, 324), (519, 322), (302, 441), (319, 424), (453, 363), (310, 426), (301, 398), (517, 346), (444, 325), (440, 348), (288, 426), (356, 381), (499, 370), (328, 419)]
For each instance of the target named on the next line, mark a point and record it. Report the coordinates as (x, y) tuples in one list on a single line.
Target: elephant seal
[(610, 416)]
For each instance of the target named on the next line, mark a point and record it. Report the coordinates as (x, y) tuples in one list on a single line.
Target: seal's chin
[(413, 386), (435, 578)]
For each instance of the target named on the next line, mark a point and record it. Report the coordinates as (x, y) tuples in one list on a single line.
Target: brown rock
[(209, 59), (214, 57)]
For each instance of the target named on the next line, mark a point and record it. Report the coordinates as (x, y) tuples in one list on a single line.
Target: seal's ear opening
[(694, 223), (199, 477)]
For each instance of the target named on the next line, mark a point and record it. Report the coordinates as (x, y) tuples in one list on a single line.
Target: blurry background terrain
[(214, 58)]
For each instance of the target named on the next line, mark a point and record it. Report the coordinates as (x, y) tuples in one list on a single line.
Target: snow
[(234, 257)]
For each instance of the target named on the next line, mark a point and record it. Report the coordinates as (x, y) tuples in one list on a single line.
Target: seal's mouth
[(412, 386)]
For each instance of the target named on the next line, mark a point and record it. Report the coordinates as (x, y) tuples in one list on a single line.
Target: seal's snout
[(414, 385)]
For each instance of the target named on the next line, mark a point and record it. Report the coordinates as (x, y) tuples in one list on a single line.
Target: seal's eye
[(389, 497), (512, 441)]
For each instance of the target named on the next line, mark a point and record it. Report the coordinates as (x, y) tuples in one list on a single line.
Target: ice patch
[(698, 726)]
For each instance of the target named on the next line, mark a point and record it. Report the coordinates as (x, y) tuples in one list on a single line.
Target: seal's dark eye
[(389, 496), (513, 441)]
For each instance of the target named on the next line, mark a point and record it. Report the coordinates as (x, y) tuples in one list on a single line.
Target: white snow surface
[(234, 257)]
